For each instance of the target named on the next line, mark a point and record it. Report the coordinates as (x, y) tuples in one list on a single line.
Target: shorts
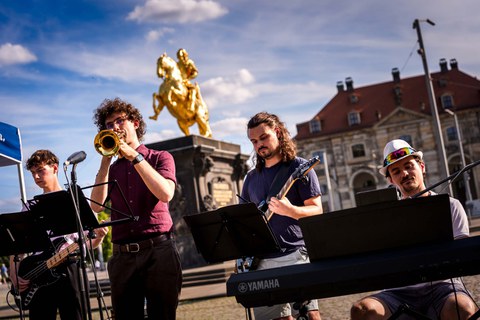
[(427, 299), (287, 309)]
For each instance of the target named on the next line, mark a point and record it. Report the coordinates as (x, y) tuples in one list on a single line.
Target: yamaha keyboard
[(359, 273)]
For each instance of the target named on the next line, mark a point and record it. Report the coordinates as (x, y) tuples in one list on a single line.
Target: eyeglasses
[(119, 121), (397, 154)]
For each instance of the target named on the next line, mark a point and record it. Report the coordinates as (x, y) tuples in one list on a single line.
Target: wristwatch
[(137, 159)]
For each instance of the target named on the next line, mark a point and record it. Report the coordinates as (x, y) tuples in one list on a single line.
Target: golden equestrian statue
[(182, 98)]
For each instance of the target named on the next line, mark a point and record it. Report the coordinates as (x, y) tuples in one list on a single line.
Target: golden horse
[(185, 104)]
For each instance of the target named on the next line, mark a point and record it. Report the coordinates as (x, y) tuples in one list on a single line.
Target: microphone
[(75, 158)]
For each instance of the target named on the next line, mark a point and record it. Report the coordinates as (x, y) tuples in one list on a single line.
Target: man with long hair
[(275, 153)]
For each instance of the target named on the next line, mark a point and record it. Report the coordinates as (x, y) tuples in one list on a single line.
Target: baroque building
[(354, 126)]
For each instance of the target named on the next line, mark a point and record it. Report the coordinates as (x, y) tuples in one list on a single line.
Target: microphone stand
[(83, 277), (450, 177)]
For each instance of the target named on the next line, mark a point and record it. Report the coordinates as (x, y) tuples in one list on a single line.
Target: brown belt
[(141, 245)]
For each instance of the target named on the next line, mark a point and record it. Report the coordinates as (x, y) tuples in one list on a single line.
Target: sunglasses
[(397, 154)]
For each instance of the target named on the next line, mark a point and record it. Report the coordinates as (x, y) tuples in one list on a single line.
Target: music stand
[(232, 232), (55, 212), (20, 233)]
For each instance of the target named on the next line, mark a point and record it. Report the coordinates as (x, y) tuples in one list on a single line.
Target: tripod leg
[(475, 316)]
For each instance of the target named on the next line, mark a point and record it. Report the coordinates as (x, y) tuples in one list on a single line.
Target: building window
[(315, 126), (452, 134), (353, 118), (323, 189), (407, 138), (353, 98), (358, 150), (320, 155), (447, 101)]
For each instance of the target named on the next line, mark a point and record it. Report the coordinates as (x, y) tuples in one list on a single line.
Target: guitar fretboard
[(61, 256)]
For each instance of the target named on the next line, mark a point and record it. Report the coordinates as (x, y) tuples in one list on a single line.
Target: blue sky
[(60, 59)]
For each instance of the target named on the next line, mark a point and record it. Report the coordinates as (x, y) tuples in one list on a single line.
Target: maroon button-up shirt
[(153, 214)]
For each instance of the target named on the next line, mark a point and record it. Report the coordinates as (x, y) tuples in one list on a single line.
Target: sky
[(60, 59)]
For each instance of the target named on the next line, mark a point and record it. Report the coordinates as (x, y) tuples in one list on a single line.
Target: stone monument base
[(209, 176)]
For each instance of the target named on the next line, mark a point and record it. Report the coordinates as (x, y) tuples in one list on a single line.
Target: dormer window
[(353, 98), (353, 118), (447, 101), (315, 126), (398, 95)]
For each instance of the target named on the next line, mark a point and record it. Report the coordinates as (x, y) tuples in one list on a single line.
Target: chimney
[(340, 87), (349, 83), (443, 65), (453, 63), (396, 75)]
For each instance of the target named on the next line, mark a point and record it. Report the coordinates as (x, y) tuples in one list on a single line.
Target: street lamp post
[(433, 104), (329, 185), (468, 194)]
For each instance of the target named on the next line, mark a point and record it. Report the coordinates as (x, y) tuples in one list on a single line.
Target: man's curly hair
[(288, 149), (109, 107), (40, 157)]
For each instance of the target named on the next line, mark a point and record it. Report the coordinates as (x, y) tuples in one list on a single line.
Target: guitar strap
[(277, 185), (279, 180)]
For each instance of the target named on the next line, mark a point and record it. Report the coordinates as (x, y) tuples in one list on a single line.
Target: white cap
[(396, 150)]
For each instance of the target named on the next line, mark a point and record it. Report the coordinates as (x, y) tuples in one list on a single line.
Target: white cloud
[(129, 65), (235, 89), (152, 136), (154, 35), (15, 54), (229, 126), (180, 11)]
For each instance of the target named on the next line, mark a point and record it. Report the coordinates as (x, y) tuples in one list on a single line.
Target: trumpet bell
[(107, 143)]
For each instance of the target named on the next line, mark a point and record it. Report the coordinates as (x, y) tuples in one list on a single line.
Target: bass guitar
[(251, 263), (42, 271)]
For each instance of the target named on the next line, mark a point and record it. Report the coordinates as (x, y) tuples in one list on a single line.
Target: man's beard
[(266, 155), (412, 186)]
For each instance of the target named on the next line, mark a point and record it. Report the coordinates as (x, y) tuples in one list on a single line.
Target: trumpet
[(107, 143)]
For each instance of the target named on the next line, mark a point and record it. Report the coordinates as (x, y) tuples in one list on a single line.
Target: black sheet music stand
[(20, 233), (232, 232), (55, 212)]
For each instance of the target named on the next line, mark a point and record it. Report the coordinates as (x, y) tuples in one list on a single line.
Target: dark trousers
[(153, 275), (63, 295)]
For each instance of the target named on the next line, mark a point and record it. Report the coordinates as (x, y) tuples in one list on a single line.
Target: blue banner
[(10, 145)]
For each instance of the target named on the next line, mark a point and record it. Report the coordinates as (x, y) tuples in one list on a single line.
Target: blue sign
[(10, 145)]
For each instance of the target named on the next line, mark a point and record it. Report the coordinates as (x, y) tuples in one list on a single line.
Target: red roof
[(377, 101)]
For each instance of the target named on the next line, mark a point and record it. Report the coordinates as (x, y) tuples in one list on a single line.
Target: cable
[(409, 56)]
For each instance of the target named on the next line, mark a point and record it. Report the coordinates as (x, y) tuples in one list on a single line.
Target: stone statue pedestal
[(209, 176)]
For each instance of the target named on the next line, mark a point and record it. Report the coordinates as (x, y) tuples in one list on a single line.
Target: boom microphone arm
[(451, 177)]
